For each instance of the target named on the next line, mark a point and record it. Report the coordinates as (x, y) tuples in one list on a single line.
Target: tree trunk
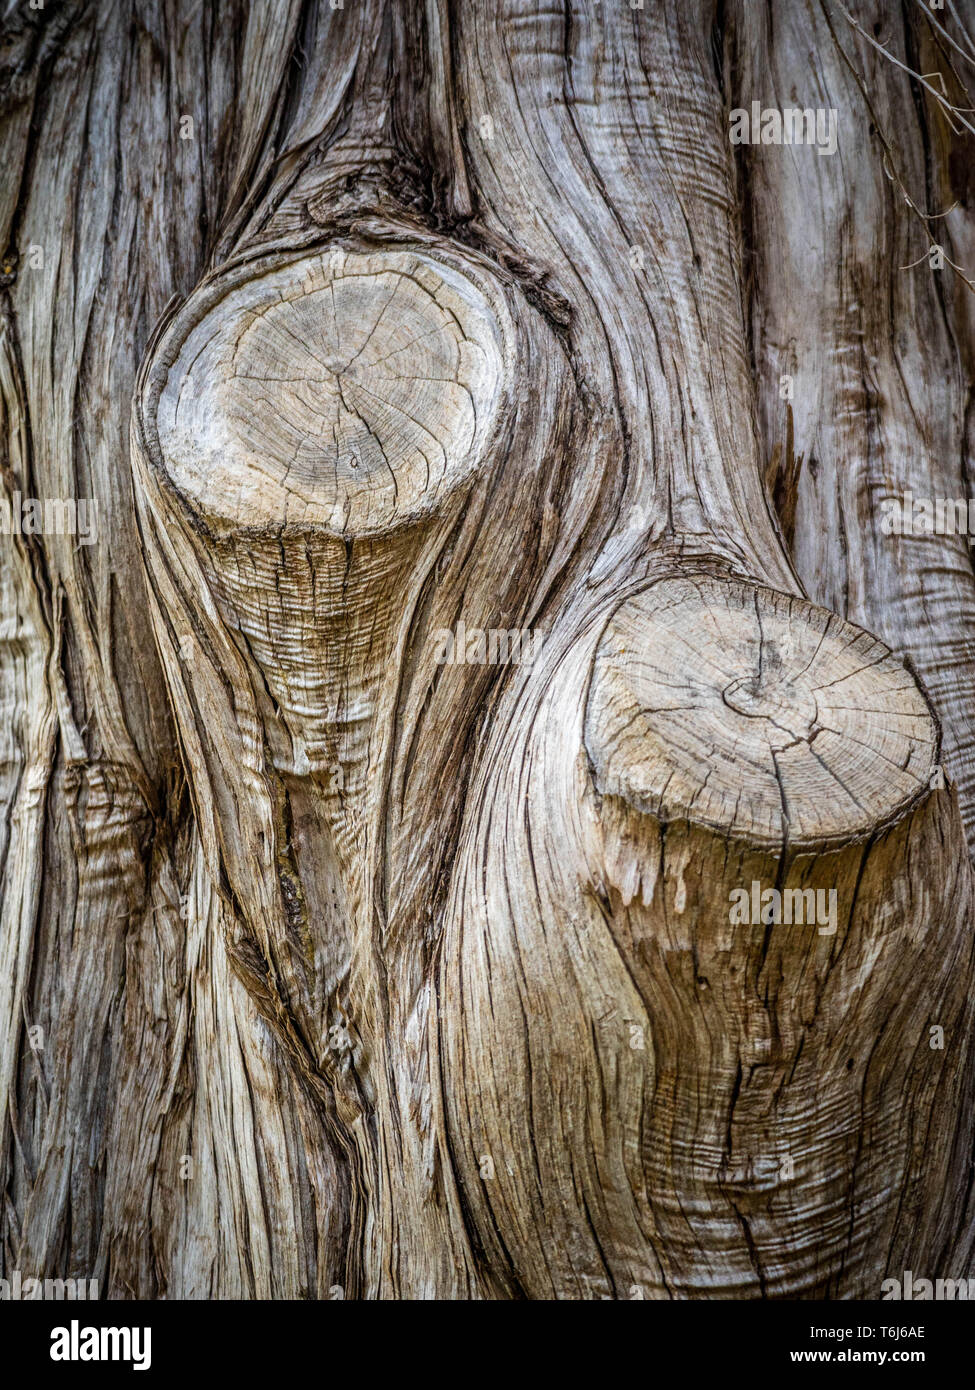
[(460, 836)]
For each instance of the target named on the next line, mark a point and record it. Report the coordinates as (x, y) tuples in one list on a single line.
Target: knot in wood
[(757, 714), (344, 390)]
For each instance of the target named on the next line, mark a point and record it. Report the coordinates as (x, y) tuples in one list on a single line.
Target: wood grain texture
[(370, 971), (783, 726), (881, 381)]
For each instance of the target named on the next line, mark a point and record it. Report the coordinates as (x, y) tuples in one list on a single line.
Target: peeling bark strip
[(428, 980)]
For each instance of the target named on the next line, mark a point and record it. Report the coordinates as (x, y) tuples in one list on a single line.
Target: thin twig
[(969, 58), (948, 106), (889, 162)]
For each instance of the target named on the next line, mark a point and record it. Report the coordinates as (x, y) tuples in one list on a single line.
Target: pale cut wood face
[(344, 391), (755, 713)]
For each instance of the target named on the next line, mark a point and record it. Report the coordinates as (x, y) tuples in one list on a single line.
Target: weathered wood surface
[(360, 971)]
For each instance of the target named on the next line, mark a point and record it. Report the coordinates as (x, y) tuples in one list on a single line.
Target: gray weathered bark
[(330, 967)]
